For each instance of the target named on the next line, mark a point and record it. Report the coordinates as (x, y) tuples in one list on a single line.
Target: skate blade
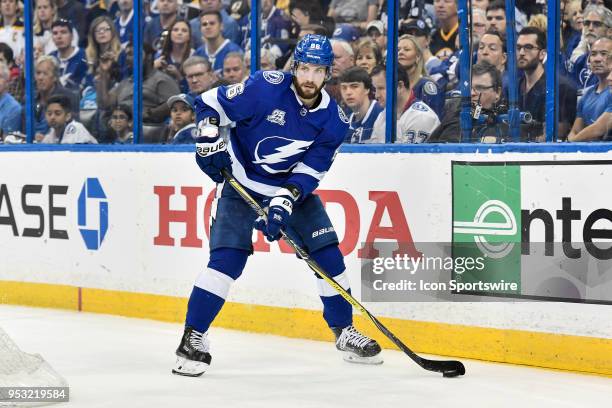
[(355, 359), (189, 368)]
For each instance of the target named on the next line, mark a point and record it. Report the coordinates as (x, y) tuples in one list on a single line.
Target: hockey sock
[(212, 286), (337, 312)]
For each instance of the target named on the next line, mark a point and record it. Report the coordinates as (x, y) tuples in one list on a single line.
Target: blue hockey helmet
[(314, 49)]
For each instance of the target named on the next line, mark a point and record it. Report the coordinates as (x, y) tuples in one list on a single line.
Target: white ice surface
[(118, 362)]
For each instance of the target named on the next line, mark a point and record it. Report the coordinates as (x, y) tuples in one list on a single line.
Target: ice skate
[(192, 355), (355, 347)]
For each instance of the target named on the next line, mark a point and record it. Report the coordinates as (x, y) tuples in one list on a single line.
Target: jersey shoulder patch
[(274, 77), (430, 88), (420, 106), (234, 90)]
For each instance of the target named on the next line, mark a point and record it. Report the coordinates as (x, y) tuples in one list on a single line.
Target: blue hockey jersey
[(72, 69), (275, 139)]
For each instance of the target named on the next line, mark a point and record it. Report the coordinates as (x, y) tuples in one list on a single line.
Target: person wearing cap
[(376, 31), (182, 129), (421, 31), (287, 130), (72, 60), (346, 32)]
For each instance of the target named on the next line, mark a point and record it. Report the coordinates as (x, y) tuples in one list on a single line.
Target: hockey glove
[(279, 211), (211, 150)]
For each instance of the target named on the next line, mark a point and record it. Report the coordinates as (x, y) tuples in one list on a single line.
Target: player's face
[(366, 59), (103, 33), (483, 91), (490, 50), (309, 79), (233, 70), (211, 26), (406, 54), (44, 10), (599, 56), (354, 94), (62, 37), (380, 88), (497, 20), (56, 116), (181, 115), (180, 33)]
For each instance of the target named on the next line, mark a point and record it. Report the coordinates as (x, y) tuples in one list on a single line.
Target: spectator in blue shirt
[(215, 46), (123, 21), (168, 10), (10, 110), (596, 99), (230, 28), (73, 65)]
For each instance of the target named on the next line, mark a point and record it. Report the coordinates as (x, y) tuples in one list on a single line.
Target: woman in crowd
[(103, 45), (367, 55), (175, 49), (411, 57)]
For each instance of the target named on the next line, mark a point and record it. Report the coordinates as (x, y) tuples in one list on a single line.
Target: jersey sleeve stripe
[(305, 169), (210, 98)]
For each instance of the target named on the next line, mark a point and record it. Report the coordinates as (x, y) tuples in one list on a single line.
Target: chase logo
[(93, 199)]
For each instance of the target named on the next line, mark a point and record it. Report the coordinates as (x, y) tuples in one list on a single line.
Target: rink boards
[(125, 232)]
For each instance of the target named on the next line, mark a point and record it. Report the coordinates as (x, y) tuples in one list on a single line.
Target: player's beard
[(307, 94)]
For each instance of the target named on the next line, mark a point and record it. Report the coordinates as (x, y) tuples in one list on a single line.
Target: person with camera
[(486, 96)]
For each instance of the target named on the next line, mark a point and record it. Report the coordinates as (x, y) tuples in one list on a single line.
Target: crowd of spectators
[(84, 53)]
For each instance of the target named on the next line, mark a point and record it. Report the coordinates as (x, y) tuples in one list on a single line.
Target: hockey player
[(287, 131)]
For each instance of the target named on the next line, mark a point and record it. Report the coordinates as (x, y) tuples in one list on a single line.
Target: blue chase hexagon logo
[(93, 198)]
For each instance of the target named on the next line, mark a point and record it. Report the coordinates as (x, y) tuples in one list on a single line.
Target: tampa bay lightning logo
[(275, 154), (274, 77), (584, 75)]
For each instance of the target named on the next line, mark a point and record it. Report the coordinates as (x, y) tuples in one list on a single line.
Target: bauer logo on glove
[(205, 149)]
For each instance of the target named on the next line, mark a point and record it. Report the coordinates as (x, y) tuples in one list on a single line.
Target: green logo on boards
[(487, 221)]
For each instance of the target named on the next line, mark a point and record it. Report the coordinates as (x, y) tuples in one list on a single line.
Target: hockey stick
[(449, 368)]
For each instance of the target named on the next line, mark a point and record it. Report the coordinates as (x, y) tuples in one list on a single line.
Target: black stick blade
[(450, 368)]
